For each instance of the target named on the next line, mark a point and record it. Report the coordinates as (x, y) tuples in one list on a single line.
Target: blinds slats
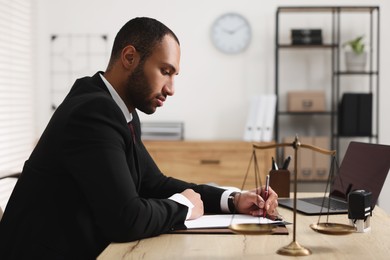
[(16, 89)]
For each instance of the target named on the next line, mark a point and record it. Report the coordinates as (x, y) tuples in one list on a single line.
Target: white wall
[(213, 89)]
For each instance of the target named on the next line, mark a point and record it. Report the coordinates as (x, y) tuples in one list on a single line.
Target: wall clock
[(231, 33)]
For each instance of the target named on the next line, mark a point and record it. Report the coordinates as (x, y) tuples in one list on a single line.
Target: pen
[(286, 163), (266, 194), (274, 165)]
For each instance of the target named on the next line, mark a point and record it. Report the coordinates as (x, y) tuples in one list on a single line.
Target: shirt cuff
[(224, 199), (181, 199)]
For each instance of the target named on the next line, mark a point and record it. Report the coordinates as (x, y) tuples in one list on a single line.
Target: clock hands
[(239, 27), (232, 31)]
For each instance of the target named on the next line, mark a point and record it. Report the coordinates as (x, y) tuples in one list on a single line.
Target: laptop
[(364, 167)]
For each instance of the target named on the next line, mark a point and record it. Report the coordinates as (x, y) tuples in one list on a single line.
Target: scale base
[(294, 249)]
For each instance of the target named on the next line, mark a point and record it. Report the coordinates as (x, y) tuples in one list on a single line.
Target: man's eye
[(166, 72)]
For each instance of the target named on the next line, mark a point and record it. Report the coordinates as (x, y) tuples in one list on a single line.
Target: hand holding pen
[(257, 202)]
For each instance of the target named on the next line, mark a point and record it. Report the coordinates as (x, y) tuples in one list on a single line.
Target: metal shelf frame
[(335, 48)]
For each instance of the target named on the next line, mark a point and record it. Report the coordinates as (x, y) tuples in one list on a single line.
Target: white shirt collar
[(118, 100)]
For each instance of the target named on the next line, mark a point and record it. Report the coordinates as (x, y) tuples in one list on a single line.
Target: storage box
[(306, 36), (306, 101), (311, 165), (305, 158), (322, 161)]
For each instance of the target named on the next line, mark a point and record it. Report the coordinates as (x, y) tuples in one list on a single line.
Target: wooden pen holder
[(279, 180)]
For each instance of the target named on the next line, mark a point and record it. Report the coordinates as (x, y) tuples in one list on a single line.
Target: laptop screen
[(364, 167)]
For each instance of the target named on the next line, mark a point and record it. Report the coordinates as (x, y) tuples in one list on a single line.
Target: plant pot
[(355, 62)]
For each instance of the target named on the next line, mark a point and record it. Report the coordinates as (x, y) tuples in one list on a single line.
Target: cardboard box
[(306, 101), (304, 162), (305, 159), (321, 161), (311, 165)]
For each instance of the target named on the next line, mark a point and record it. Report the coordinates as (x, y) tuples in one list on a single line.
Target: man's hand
[(252, 202), (197, 210)]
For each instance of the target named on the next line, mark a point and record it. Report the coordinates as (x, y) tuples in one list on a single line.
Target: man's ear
[(129, 57)]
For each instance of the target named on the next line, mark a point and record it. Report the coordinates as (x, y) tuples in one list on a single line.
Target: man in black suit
[(90, 181)]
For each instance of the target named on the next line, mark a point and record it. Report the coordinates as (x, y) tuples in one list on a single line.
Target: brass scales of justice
[(294, 248)]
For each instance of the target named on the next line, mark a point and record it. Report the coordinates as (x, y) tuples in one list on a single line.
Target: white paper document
[(224, 220)]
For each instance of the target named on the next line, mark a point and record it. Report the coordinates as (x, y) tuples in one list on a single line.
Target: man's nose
[(169, 89)]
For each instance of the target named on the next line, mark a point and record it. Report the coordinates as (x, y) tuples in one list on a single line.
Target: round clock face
[(231, 33)]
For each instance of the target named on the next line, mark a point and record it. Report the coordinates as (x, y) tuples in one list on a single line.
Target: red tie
[(131, 127)]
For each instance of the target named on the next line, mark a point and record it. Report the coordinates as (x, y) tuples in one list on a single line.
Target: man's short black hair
[(143, 33)]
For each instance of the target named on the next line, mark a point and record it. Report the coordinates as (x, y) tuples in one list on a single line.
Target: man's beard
[(138, 90)]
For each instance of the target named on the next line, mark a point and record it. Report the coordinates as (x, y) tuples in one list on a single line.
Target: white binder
[(260, 117), (269, 118), (251, 119)]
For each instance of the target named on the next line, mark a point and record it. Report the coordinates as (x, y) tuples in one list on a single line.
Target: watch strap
[(232, 207)]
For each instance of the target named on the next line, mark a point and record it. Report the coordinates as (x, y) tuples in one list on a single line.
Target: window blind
[(16, 85)]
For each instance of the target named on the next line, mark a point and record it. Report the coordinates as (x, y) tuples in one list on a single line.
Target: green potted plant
[(355, 56)]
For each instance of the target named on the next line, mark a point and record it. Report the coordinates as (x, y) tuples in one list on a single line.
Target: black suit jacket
[(87, 184)]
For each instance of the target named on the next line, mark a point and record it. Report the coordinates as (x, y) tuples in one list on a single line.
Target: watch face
[(231, 33)]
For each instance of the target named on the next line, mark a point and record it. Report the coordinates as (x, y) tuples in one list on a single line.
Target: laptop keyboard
[(334, 204)]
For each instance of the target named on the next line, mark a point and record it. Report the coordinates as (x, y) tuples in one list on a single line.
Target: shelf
[(316, 9), (359, 73), (356, 136), (324, 113), (306, 46), (330, 52)]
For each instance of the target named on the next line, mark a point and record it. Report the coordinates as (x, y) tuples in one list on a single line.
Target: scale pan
[(332, 228), (252, 229)]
